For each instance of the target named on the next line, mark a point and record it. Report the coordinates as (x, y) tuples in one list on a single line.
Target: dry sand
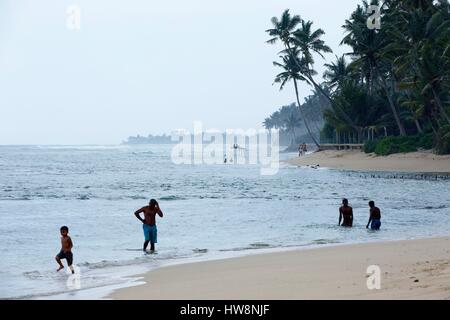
[(360, 161), (413, 269)]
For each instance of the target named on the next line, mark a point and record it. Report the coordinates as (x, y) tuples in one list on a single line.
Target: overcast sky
[(144, 66)]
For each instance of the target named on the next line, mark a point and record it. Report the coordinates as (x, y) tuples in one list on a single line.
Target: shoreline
[(136, 278), (414, 162), (306, 273)]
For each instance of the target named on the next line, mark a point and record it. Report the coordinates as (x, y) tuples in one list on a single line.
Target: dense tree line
[(289, 121), (393, 85)]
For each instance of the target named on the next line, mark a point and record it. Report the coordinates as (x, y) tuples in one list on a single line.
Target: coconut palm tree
[(268, 124), (291, 72), (305, 41), (337, 72), (368, 48), (420, 51), (291, 122), (308, 41), (283, 28)]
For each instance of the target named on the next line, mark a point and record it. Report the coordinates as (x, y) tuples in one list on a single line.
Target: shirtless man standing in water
[(375, 217), (149, 223), (346, 212)]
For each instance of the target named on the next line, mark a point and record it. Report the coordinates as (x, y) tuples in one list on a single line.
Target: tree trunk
[(294, 137), (303, 115), (439, 104), (336, 108), (391, 103), (418, 126), (319, 88)]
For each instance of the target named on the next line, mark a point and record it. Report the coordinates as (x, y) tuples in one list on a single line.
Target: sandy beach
[(360, 161), (412, 269)]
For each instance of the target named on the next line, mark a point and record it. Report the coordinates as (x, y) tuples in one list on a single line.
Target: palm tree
[(337, 72), (283, 28), (308, 42), (420, 50), (290, 123), (305, 41), (291, 73), (268, 124), (367, 48), (398, 79)]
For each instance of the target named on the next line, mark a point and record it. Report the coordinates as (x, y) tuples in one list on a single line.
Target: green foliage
[(327, 133), (391, 145), (443, 141), (369, 146), (426, 141), (396, 81)]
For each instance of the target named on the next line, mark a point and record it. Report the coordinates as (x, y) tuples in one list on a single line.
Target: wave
[(171, 198), (33, 274), (143, 153), (324, 241), (200, 250), (79, 148), (434, 207), (251, 246), (143, 258), (137, 197)]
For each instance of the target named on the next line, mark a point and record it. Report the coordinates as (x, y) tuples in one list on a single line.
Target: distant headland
[(150, 139)]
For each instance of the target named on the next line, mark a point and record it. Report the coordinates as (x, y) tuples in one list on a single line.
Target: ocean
[(210, 212)]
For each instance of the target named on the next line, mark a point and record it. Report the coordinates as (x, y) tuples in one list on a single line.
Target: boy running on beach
[(346, 213), (149, 223), (375, 217), (66, 249)]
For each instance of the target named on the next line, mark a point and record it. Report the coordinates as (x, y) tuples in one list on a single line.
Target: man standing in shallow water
[(149, 223), (375, 217), (346, 213)]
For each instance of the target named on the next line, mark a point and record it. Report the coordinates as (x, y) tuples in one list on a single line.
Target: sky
[(144, 66)]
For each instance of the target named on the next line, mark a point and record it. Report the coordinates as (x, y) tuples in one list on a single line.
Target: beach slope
[(360, 161), (413, 269)]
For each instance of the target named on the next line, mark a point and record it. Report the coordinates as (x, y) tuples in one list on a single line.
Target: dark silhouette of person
[(375, 217), (346, 214)]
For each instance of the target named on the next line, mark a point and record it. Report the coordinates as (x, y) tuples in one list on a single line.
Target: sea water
[(210, 211)]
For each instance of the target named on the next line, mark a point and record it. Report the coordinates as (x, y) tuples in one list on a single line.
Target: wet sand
[(412, 269)]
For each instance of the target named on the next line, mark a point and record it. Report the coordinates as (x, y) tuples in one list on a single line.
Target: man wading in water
[(149, 223), (346, 213), (375, 217)]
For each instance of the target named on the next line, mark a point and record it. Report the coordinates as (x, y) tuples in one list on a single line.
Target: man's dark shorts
[(376, 224), (66, 255)]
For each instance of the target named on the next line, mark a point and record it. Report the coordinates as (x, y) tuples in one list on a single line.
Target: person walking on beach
[(304, 149), (149, 223), (375, 217), (66, 249), (346, 214), (300, 150)]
